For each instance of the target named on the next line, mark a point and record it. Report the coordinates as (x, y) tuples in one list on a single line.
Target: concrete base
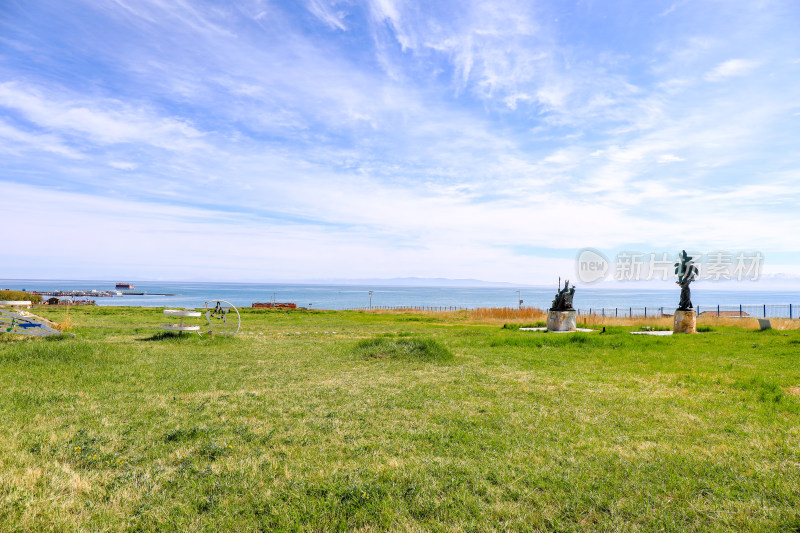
[(562, 320), (685, 321)]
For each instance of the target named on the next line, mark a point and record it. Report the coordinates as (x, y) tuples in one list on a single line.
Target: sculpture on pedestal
[(562, 316), (685, 316)]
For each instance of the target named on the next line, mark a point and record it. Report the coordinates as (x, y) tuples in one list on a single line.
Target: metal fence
[(731, 311), (624, 312), (410, 308)]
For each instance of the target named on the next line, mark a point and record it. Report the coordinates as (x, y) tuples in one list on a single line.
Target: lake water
[(195, 294)]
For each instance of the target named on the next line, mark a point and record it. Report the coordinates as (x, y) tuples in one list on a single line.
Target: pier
[(97, 294)]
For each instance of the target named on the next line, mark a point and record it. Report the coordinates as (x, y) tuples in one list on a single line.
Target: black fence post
[(790, 311), (740, 310), (765, 310)]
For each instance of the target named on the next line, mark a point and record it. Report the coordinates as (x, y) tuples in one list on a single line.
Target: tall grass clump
[(20, 296), (785, 323), (403, 348), (750, 323), (523, 315), (527, 314)]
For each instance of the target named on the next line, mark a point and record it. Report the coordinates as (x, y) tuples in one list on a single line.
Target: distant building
[(53, 301), (275, 305)]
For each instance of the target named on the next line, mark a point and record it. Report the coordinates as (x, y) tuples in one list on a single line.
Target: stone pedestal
[(685, 321), (562, 320)]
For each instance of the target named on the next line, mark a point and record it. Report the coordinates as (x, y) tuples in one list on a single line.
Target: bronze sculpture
[(563, 299), (686, 272)]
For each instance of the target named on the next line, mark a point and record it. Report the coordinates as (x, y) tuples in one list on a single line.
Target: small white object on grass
[(181, 313)]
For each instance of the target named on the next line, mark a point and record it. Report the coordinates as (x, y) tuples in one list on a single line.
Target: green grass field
[(326, 421)]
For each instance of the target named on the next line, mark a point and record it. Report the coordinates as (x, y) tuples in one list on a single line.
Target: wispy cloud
[(327, 12), (730, 69), (102, 122), (17, 140)]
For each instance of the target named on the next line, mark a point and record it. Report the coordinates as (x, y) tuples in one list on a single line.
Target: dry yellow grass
[(489, 315), (507, 314), (510, 315), (66, 324)]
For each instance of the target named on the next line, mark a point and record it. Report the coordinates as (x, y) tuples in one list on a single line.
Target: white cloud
[(104, 122), (326, 11), (496, 49), (18, 139), (730, 69), (142, 239), (672, 8), (123, 165)]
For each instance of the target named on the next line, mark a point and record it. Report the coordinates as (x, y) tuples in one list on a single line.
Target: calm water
[(195, 294)]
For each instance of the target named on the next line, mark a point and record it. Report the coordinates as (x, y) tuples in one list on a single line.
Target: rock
[(562, 320), (685, 321)]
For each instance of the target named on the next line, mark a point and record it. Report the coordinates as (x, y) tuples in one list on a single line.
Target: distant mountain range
[(418, 282)]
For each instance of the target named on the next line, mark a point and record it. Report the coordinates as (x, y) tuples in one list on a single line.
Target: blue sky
[(279, 141)]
